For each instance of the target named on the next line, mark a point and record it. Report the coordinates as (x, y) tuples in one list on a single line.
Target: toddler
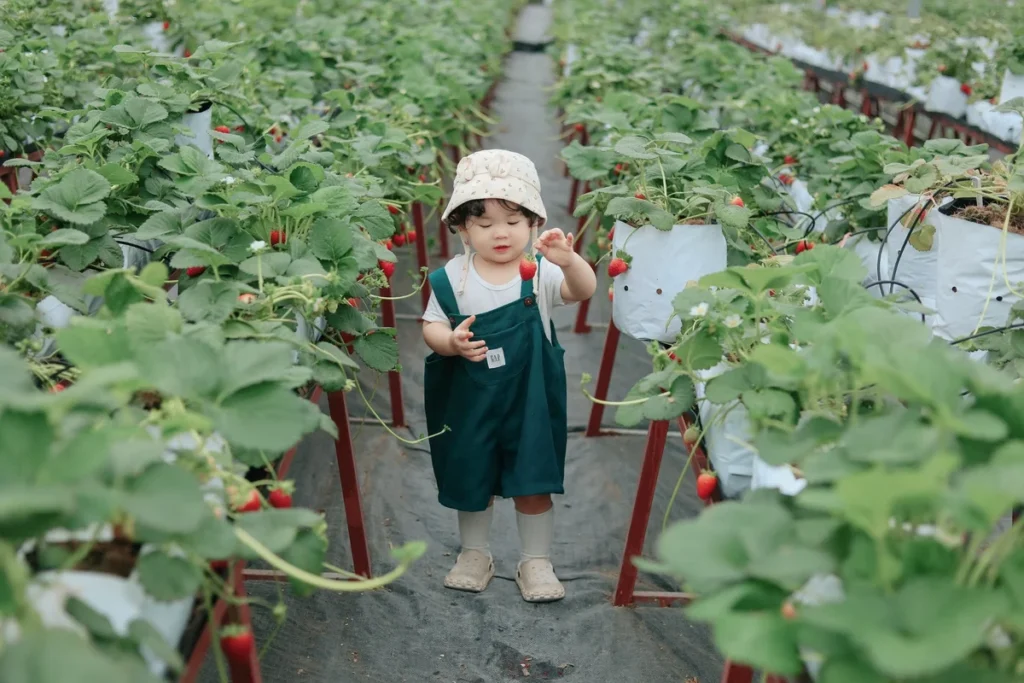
[(496, 377)]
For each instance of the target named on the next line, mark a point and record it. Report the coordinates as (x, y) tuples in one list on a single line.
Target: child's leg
[(535, 517), (474, 567)]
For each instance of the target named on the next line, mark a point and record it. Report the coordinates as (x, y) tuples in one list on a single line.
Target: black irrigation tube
[(995, 330)]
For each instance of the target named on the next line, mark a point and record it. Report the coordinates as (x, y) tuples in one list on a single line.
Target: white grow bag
[(199, 123), (733, 463), (968, 256), (663, 262), (1013, 86), (945, 97), (868, 251), (916, 269)]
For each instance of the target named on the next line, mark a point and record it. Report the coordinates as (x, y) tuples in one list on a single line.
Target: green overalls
[(506, 414)]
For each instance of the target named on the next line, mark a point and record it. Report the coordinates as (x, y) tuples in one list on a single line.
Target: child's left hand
[(556, 247)]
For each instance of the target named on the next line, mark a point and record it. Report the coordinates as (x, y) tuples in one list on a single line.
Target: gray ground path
[(416, 630)]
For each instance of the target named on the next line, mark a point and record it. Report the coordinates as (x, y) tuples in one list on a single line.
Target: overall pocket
[(508, 352)]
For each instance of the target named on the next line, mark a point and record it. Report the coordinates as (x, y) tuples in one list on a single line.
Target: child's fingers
[(464, 325)]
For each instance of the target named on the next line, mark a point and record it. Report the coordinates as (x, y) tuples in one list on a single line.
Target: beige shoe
[(472, 572), (537, 581)]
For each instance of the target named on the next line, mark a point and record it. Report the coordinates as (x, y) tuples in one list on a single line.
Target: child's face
[(500, 235)]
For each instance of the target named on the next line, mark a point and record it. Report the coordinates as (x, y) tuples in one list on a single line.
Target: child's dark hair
[(475, 208)]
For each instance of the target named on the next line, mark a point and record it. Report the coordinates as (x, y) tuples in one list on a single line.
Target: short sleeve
[(551, 279), (434, 312)]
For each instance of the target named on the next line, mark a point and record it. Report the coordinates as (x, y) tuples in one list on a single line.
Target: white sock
[(536, 535), (475, 530)]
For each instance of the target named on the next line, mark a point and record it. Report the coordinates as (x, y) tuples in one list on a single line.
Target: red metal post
[(656, 436), (387, 314), (195, 660), (422, 259), (737, 673), (581, 326), (349, 477), (604, 378), (442, 234)]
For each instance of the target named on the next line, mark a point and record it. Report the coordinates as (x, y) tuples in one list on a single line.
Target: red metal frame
[(604, 378), (422, 259), (387, 314), (249, 671)]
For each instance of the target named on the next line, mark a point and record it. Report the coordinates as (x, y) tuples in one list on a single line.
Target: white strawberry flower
[(228, 180), (257, 246), (732, 321), (699, 311)]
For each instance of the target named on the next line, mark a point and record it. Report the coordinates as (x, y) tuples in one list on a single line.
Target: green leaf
[(252, 362), (633, 147), (272, 263), (64, 236), (166, 577), (167, 499), (95, 623), (379, 350), (32, 660), (312, 128), (187, 367), (117, 174), (209, 300), (330, 239), (700, 351), (376, 219), (886, 193), (309, 552), (277, 529), (762, 640), (76, 198), (737, 217), (88, 342), (143, 633), (161, 224), (625, 207), (266, 416), (923, 237), (341, 358), (28, 512)]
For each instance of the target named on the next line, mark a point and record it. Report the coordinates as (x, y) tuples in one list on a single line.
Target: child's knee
[(533, 505)]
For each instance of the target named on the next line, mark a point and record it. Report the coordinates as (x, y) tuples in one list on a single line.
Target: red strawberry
[(611, 234), (195, 271), (278, 138), (528, 267), (966, 89), (353, 302), (620, 168), (788, 611), (217, 565), (394, 209), (864, 66), (617, 267), (237, 643), (222, 129), (251, 503), (278, 237), (674, 357), (785, 179), (167, 25), (410, 236), (388, 267), (942, 68), (707, 482), (59, 387), (45, 253), (399, 240), (279, 499), (188, 53), (804, 245), (389, 245), (789, 160), (640, 195), (239, 129), (580, 127), (423, 178), (736, 201), (611, 294)]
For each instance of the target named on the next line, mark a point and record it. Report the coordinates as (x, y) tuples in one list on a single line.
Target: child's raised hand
[(556, 247), (463, 344)]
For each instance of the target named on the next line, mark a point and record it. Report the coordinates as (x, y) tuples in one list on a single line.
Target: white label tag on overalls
[(496, 358)]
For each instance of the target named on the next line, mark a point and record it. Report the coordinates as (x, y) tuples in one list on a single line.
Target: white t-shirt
[(481, 296)]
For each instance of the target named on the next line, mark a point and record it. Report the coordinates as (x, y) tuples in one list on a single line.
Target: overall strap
[(442, 288), (527, 290)]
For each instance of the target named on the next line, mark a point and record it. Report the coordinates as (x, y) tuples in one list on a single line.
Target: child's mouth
[(501, 249)]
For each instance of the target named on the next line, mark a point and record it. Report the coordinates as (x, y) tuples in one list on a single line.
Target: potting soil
[(416, 630)]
